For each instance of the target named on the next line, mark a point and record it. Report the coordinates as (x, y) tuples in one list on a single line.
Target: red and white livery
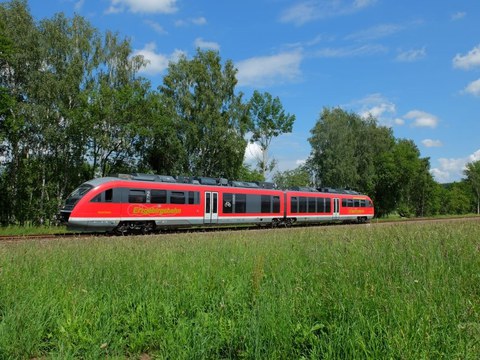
[(147, 203)]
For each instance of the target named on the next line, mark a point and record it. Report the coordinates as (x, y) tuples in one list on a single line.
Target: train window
[(311, 205), (158, 196), (240, 203), (350, 202), (177, 197), (215, 203), (137, 196), (294, 205), (344, 202), (266, 204), (356, 203), (370, 204), (227, 203), (193, 197), (363, 203), (328, 205), (109, 195), (276, 204), (302, 208), (320, 205)]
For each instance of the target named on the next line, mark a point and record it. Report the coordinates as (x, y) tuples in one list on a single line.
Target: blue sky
[(415, 65)]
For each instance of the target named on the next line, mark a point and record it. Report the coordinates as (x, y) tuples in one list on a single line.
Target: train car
[(145, 203), (329, 205)]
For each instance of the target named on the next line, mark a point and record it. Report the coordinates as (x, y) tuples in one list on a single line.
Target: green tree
[(456, 198), (19, 71), (472, 171), (117, 106), (332, 158), (211, 119), (248, 174), (269, 120), (162, 150), (292, 178)]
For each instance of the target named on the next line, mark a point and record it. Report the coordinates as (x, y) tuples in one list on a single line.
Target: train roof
[(200, 180), (194, 180)]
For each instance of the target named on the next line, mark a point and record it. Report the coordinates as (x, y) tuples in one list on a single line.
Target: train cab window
[(109, 195), (311, 205), (276, 204), (158, 196), (106, 196), (294, 205), (177, 197), (137, 196), (266, 202), (240, 203)]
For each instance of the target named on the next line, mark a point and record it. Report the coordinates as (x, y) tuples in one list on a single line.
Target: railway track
[(17, 238), (33, 237)]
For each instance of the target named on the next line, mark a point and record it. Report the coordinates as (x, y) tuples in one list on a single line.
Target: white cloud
[(78, 5), (452, 169), (202, 44), (253, 152), (376, 32), (473, 88), (300, 14), (468, 61), (458, 15), (156, 26), (411, 55), (351, 51), (157, 63), (200, 21), (377, 106), (421, 119), (312, 10), (142, 6), (432, 143), (268, 70)]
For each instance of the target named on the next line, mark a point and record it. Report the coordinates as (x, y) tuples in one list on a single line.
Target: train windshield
[(77, 194)]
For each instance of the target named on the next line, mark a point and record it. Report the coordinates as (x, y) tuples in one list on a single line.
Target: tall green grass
[(400, 292)]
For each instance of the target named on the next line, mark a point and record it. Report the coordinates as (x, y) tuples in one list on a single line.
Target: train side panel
[(304, 207)]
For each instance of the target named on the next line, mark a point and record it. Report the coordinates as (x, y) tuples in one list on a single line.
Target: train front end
[(72, 200)]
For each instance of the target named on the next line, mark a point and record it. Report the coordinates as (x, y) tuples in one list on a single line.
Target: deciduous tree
[(269, 120), (211, 118), (472, 171)]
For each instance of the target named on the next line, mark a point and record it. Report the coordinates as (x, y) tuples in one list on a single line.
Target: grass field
[(406, 291)]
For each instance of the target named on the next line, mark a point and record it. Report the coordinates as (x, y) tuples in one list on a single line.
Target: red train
[(146, 203)]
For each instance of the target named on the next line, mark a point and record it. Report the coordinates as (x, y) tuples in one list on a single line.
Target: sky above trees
[(414, 65)]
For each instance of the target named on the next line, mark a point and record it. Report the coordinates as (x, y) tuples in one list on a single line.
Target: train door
[(336, 208), (211, 208)]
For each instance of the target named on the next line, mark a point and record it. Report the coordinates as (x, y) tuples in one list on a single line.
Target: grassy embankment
[(399, 291)]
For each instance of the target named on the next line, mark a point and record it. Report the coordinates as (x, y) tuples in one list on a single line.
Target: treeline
[(356, 153), (73, 107)]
